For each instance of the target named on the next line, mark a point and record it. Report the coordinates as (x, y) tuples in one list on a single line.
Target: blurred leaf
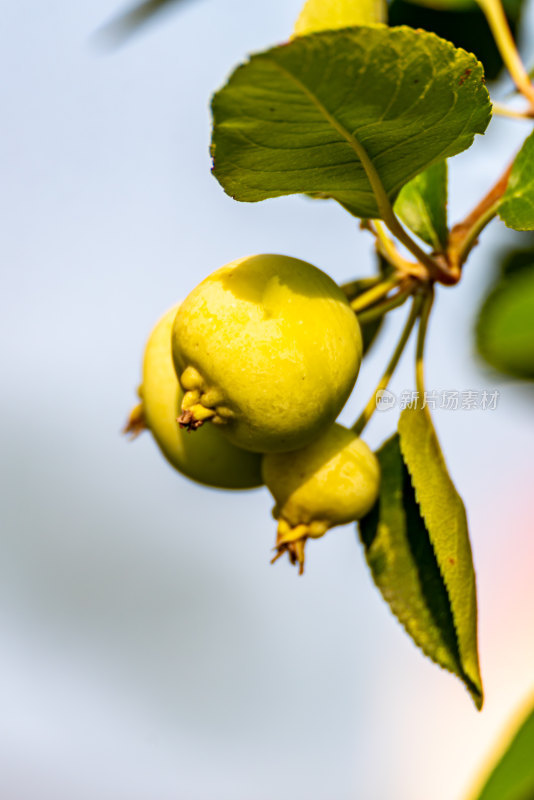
[(422, 205), (465, 26), (513, 776), (298, 118), (496, 342), (517, 205), (321, 15), (404, 567), (444, 514), (129, 22), (505, 325), (516, 258)]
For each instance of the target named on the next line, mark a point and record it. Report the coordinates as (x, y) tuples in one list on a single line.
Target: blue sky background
[(149, 651)]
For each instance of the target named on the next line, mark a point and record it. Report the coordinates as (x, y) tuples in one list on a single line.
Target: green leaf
[(444, 514), (422, 205), (403, 563), (505, 325), (513, 776), (301, 117), (322, 15), (517, 205), (465, 26)]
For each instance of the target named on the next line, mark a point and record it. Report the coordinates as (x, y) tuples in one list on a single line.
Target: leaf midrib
[(360, 151)]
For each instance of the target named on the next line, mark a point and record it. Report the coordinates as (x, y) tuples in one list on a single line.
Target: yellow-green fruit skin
[(332, 481), (278, 341), (204, 456)]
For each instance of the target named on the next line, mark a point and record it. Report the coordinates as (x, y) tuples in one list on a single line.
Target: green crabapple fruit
[(332, 481), (268, 349), (210, 459)]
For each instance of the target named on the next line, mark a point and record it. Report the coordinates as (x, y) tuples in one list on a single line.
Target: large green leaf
[(513, 776), (444, 514), (464, 25), (422, 205), (517, 205), (505, 325), (405, 569), (322, 15), (301, 117)]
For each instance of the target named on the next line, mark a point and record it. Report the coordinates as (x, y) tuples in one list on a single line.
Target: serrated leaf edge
[(402, 618), (354, 143), (475, 691)]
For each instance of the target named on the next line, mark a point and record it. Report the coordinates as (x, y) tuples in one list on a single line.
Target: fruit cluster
[(242, 383)]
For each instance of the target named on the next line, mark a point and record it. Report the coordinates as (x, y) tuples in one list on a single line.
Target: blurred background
[(148, 649)]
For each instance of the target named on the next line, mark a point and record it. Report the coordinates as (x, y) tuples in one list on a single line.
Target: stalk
[(421, 341), (370, 408)]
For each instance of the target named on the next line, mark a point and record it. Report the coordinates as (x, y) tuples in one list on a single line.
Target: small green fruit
[(208, 458), (267, 348), (330, 482)]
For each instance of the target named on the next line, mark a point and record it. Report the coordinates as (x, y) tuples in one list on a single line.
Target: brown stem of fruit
[(464, 235)]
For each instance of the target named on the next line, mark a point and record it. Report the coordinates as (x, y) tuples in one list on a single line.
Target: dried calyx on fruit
[(333, 481), (208, 458), (268, 349)]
